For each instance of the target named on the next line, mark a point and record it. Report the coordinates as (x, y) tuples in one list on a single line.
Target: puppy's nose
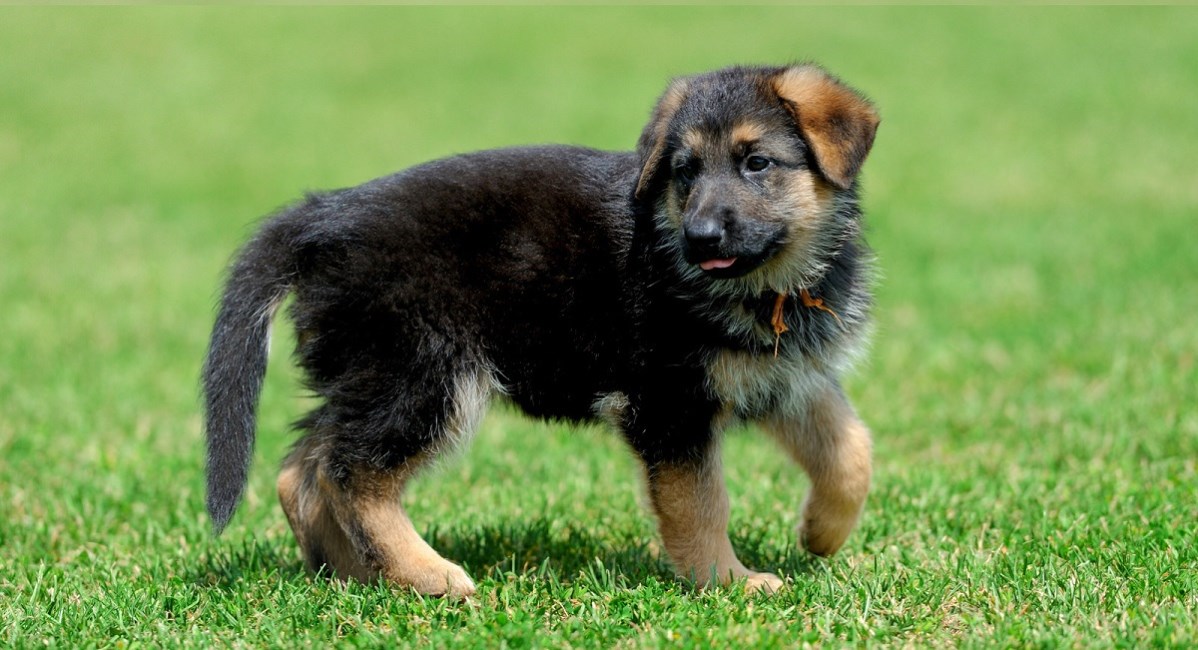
[(705, 233)]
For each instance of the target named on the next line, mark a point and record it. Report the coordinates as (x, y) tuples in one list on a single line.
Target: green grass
[(1033, 390)]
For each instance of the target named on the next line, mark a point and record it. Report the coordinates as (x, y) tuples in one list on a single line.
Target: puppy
[(716, 274)]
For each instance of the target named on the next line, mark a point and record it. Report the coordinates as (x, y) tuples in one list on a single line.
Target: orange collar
[(805, 297)]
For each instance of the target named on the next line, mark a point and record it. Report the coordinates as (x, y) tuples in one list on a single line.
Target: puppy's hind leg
[(342, 489), (366, 505), (833, 446), (310, 512)]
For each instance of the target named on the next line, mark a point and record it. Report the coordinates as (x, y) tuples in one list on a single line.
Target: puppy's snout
[(706, 232)]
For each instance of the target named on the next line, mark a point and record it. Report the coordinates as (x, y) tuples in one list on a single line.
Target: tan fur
[(823, 192), (319, 535), (695, 139), (747, 132), (839, 123), (691, 505), (384, 543), (310, 514), (834, 448), (751, 383), (667, 106), (811, 203), (360, 531), (401, 555)]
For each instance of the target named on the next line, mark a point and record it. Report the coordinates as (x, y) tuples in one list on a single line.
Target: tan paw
[(445, 579), (763, 583), (824, 538), (459, 585)]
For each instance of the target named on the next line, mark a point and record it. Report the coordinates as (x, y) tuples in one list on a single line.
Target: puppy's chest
[(750, 380), (754, 385)]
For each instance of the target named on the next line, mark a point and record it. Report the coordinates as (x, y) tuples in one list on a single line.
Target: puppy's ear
[(837, 122), (651, 147)]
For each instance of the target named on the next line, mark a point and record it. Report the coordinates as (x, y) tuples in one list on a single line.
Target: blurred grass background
[(1032, 198)]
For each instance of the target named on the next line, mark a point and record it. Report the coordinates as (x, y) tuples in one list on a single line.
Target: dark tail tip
[(222, 503), (233, 377), (234, 370)]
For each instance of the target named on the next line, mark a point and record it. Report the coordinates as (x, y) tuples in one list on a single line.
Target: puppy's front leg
[(691, 504), (833, 446)]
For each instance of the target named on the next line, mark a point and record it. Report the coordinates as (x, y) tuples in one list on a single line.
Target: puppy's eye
[(757, 163), (686, 172)]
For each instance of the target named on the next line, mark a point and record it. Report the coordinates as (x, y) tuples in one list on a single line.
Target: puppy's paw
[(458, 585), (826, 524), (442, 579), (824, 538), (763, 583)]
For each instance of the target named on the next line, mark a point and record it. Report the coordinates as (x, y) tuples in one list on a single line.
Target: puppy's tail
[(259, 279)]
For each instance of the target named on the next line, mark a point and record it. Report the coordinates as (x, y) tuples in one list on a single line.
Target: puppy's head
[(753, 170)]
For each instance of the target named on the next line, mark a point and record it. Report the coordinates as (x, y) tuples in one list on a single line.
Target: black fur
[(540, 266)]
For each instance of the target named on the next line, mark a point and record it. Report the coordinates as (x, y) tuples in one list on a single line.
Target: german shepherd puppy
[(714, 275)]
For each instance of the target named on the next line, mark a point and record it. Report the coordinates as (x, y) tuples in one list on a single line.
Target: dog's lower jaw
[(740, 265)]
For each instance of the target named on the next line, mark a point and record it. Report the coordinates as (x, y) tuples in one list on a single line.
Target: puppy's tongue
[(717, 264)]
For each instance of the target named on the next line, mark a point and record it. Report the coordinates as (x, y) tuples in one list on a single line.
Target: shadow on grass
[(543, 546), (531, 548), (786, 559), (227, 566)]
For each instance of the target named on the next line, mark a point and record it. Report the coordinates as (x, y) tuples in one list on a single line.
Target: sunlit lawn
[(1032, 197)]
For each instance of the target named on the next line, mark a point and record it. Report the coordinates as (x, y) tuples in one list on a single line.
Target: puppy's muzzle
[(724, 243), (706, 233)]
